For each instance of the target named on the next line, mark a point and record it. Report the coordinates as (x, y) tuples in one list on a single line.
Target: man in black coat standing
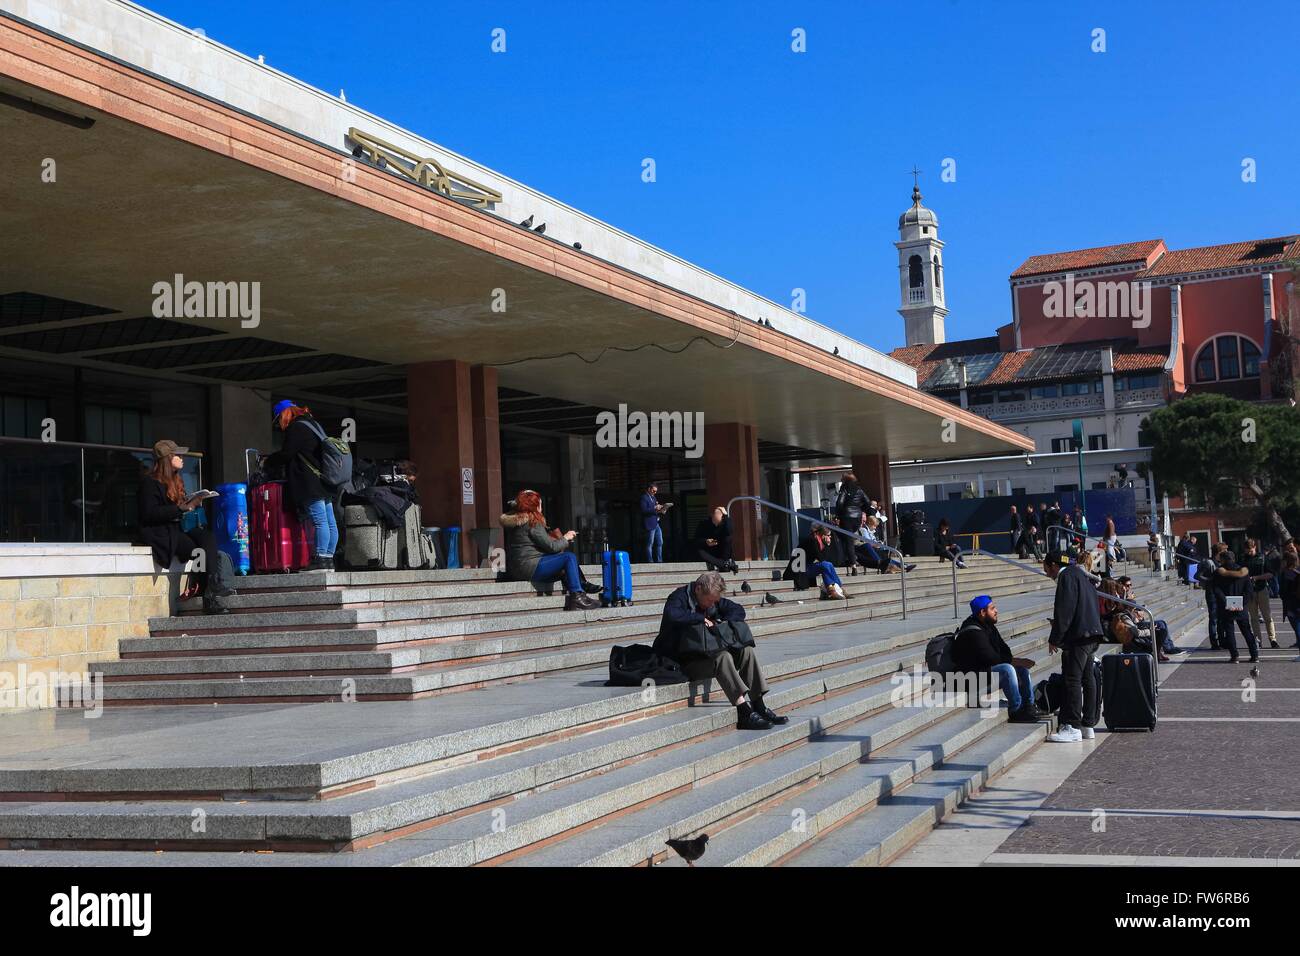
[(1076, 632), (706, 635)]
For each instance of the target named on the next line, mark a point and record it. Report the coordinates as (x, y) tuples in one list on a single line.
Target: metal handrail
[(1155, 657), (838, 530), (1076, 533)]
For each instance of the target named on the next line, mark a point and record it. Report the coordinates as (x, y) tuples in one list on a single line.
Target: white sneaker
[(837, 593), (1065, 735), (1088, 733)]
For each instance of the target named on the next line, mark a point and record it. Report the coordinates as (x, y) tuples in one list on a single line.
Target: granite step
[(442, 678)]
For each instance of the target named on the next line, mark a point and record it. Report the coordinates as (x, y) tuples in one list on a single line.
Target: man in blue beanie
[(980, 649)]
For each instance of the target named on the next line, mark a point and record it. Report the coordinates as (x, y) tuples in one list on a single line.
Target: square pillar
[(731, 469), (873, 476), (452, 426), (487, 448)]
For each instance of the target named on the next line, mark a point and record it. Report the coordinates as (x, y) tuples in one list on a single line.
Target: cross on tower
[(916, 182)]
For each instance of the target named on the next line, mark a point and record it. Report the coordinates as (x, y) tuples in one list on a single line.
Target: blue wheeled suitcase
[(230, 524), (1128, 691), (616, 579)]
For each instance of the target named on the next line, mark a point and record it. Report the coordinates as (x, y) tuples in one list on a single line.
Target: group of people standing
[(1238, 593), (163, 502)]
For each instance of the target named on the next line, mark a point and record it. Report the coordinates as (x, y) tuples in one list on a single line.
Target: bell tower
[(920, 272)]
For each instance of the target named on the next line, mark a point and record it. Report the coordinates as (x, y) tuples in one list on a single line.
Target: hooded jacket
[(526, 545)]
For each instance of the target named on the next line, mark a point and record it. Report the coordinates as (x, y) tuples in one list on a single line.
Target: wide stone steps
[(868, 813), (455, 669), (540, 761), (305, 655), (422, 644), (658, 762)]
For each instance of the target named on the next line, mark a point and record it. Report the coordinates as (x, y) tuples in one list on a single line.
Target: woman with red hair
[(161, 503), (533, 555)]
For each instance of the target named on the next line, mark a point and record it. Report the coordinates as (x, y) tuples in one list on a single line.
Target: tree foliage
[(1219, 447)]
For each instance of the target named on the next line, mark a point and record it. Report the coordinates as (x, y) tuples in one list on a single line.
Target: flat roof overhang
[(358, 262)]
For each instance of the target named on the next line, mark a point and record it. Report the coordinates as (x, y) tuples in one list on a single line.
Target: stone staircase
[(553, 770), (373, 636)]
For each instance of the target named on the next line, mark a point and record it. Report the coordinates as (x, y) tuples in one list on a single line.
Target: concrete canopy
[(356, 262)]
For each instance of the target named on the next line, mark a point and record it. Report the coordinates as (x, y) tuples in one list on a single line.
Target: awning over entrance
[(360, 273)]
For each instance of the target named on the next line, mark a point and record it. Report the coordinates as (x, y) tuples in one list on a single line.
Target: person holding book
[(162, 500)]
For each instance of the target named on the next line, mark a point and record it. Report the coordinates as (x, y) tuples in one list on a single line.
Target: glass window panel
[(1229, 364), (1250, 358), (15, 417), (1205, 364), (37, 412), (95, 424), (112, 426)]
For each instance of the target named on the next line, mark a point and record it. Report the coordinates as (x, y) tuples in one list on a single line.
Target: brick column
[(873, 476), (730, 469), (452, 426), (487, 449)]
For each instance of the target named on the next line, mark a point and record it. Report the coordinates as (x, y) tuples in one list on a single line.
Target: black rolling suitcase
[(1128, 691)]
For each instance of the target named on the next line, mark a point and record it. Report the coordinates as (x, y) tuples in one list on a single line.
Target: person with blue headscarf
[(300, 459)]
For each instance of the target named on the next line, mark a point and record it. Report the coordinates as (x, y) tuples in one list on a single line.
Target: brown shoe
[(574, 601)]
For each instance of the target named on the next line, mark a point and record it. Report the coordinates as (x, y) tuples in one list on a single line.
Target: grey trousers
[(737, 673)]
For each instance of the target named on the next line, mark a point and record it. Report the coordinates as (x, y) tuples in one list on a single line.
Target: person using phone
[(652, 513), (534, 555), (162, 501), (713, 540)]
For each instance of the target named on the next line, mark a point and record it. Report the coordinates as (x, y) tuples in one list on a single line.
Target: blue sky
[(780, 170)]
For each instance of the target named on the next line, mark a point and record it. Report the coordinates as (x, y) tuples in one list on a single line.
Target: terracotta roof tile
[(1208, 258), (1137, 252), (1007, 369)]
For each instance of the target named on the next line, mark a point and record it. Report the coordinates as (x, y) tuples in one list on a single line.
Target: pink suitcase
[(277, 541)]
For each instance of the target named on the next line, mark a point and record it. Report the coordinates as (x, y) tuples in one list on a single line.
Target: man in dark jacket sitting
[(980, 649), (707, 636), (713, 540)]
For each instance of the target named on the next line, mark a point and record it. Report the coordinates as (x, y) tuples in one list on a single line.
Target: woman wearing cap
[(300, 459), (162, 501)]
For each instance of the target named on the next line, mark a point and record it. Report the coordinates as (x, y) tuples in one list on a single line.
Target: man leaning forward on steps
[(1076, 632), (707, 635), (980, 649)]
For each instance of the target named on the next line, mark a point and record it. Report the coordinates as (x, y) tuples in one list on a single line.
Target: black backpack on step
[(635, 664)]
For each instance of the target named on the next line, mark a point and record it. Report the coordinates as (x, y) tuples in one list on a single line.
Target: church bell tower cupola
[(920, 272)]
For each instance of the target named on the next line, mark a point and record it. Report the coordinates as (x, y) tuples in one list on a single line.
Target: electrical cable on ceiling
[(620, 348)]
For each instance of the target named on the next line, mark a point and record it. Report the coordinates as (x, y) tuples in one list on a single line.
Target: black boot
[(760, 708), (748, 719), (573, 601), (213, 605), (589, 587), (1027, 714)]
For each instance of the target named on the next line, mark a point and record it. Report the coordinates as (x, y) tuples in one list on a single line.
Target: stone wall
[(66, 606)]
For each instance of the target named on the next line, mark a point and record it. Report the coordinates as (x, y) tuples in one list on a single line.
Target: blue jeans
[(654, 546), (1015, 684), (321, 513), (555, 567), (826, 570)]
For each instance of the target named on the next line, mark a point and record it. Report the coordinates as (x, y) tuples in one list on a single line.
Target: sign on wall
[(467, 486)]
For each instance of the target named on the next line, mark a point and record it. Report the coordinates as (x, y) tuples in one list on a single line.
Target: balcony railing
[(61, 492)]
